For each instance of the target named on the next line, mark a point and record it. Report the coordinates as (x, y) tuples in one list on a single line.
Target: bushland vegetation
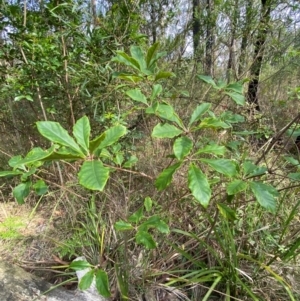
[(158, 140)]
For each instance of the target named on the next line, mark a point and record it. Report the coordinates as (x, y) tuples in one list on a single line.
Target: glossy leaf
[(124, 58), (87, 280), (93, 175), (82, 131), (21, 191), (94, 144), (102, 283), (123, 226), (36, 154), (215, 149), (236, 186), (224, 166), (137, 95), (144, 238), (165, 177), (213, 123), (265, 195), (40, 187), (112, 135), (199, 111), (226, 212), (182, 147), (165, 131), (10, 173), (137, 53), (54, 132), (236, 87), (237, 98), (199, 186), (166, 111), (79, 265), (13, 162)]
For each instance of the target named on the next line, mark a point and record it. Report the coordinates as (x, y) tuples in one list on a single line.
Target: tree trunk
[(258, 54), (196, 27), (210, 39)]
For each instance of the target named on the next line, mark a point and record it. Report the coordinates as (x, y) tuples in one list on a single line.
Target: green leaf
[(155, 222), (123, 226), (125, 59), (182, 147), (36, 154), (112, 135), (150, 57), (79, 265), (236, 186), (21, 191), (138, 55), (236, 87), (13, 162), (137, 95), (165, 131), (87, 280), (224, 166), (54, 132), (145, 239), (102, 283), (94, 144), (208, 80), (40, 187), (27, 174), (199, 111), (119, 159), (136, 216), (213, 123), (252, 170), (167, 112), (157, 89), (289, 159), (294, 176), (93, 175), (163, 74), (229, 117), (212, 149), (199, 186), (165, 177), (265, 195), (81, 131), (148, 204), (237, 98), (130, 162), (226, 212), (10, 173)]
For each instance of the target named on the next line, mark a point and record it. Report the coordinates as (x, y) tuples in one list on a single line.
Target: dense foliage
[(173, 140)]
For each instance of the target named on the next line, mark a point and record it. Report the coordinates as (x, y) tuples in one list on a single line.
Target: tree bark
[(196, 27), (252, 95)]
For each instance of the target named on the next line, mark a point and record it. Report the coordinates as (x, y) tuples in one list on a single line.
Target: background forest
[(156, 138)]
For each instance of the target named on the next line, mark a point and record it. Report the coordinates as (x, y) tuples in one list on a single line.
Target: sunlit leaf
[(93, 175), (212, 149), (199, 186), (224, 166), (182, 146), (54, 132), (199, 111), (265, 194), (227, 212), (165, 131), (237, 98), (148, 204), (123, 226), (78, 265), (137, 95), (81, 132), (236, 186)]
